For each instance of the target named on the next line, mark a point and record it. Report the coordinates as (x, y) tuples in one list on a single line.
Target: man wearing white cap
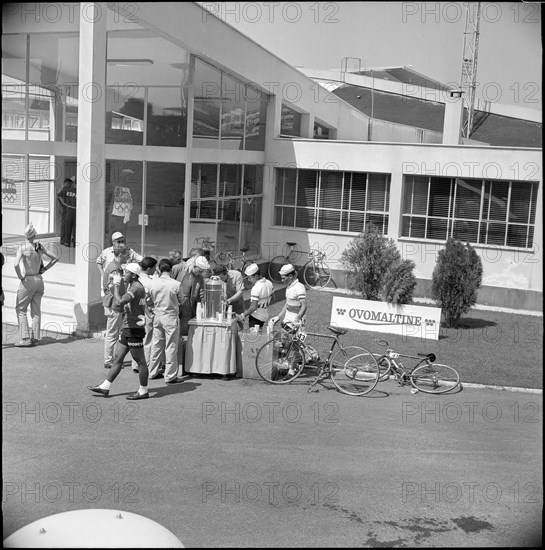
[(295, 306), (111, 260), (260, 298), (132, 304), (31, 287), (192, 292)]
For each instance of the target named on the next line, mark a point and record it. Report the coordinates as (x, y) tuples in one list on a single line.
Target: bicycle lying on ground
[(240, 263), (316, 272), (353, 369), (426, 375)]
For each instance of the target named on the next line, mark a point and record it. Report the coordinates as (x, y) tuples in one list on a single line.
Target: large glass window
[(148, 84), (256, 116), (331, 200), (165, 182), (28, 190), (34, 107), (321, 131), (226, 205), (290, 122), (473, 210), (228, 114)]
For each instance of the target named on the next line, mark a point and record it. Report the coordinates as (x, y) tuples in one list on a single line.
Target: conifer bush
[(376, 269), (456, 278)]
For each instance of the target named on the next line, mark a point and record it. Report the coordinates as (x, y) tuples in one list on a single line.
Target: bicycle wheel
[(274, 268), (358, 375), (317, 274), (434, 378), (280, 360), (384, 367), (247, 283)]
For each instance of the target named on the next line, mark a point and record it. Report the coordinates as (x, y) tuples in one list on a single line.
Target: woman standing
[(31, 288)]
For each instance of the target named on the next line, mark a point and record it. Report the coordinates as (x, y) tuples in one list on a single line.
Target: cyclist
[(295, 307), (260, 298)]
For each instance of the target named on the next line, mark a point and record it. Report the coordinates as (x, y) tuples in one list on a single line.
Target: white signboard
[(407, 320)]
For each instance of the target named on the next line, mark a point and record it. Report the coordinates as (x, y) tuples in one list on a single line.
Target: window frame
[(483, 221)]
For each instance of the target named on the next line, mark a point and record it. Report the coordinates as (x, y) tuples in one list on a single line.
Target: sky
[(427, 35)]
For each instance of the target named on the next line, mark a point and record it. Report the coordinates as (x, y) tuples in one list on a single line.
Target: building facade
[(179, 128)]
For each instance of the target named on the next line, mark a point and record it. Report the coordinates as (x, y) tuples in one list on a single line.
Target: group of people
[(148, 304)]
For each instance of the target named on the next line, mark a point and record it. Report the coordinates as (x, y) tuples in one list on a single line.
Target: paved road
[(242, 463)]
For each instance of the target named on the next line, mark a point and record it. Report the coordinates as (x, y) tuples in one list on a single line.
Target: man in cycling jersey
[(260, 298), (295, 307)]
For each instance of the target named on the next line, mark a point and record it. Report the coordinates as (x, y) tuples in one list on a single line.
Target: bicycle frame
[(399, 371)]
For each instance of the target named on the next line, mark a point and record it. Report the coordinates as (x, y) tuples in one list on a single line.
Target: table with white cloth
[(213, 347)]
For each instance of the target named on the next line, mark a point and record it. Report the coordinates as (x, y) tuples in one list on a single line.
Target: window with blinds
[(489, 212), (14, 178), (331, 200)]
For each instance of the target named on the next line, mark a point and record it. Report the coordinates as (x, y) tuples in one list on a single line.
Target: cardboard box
[(251, 344)]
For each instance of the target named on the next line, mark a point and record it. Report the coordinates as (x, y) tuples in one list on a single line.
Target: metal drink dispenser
[(213, 297)]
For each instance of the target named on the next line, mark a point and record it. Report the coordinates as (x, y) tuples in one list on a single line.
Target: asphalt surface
[(240, 463)]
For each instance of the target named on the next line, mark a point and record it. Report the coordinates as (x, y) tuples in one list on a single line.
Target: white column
[(90, 164), (454, 110)]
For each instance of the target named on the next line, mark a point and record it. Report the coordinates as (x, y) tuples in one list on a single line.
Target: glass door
[(164, 212)]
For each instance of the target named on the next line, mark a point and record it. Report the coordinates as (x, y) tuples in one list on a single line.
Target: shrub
[(399, 283), (456, 278), (376, 269)]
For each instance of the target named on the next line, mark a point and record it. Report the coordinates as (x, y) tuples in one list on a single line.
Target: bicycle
[(206, 245), (316, 271), (426, 376), (353, 369), (240, 263)]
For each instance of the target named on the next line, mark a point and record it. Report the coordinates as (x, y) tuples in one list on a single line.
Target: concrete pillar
[(91, 166), (454, 110), (396, 202)]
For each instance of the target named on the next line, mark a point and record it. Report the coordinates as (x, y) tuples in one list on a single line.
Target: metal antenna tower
[(468, 81)]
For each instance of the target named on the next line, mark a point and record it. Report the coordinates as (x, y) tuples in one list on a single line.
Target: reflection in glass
[(290, 124), (165, 183), (125, 115), (232, 113), (206, 116), (124, 201), (167, 117), (256, 119)]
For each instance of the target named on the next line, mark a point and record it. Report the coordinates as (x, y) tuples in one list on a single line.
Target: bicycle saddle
[(430, 356), (291, 244), (337, 330), (244, 250)]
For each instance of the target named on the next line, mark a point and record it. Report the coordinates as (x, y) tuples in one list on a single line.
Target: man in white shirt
[(165, 295), (119, 255), (260, 298), (295, 307)]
